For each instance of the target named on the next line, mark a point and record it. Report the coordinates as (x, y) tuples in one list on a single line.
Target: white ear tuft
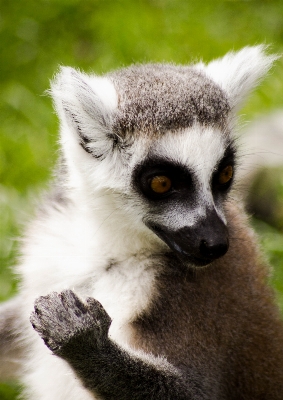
[(237, 73), (85, 103)]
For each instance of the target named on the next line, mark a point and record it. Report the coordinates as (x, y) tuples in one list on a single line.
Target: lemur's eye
[(160, 184), (225, 175)]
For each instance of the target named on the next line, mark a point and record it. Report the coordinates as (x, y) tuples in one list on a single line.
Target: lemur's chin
[(184, 256), (194, 261), (188, 258)]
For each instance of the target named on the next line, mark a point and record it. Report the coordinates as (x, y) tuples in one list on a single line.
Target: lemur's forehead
[(198, 148), (155, 98)]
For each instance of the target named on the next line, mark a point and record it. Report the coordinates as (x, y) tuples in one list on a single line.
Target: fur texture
[(106, 247), (11, 350), (187, 95)]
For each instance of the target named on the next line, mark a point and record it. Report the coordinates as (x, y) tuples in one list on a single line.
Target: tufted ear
[(239, 72), (85, 105)]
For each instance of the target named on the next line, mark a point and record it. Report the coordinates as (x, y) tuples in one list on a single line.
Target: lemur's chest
[(125, 289), (158, 306), (185, 322)]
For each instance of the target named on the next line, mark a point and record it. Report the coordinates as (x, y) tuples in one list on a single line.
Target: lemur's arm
[(78, 333)]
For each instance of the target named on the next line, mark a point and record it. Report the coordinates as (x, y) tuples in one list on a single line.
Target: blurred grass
[(272, 242), (9, 391), (98, 35)]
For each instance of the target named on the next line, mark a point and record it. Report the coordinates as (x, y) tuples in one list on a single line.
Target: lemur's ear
[(85, 104), (239, 72)]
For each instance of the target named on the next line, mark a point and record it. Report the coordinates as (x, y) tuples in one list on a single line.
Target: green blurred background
[(99, 35)]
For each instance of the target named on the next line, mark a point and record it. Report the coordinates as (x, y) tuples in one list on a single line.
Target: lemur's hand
[(61, 318), (77, 332)]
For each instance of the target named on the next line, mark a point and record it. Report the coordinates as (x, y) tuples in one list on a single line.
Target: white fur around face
[(199, 149)]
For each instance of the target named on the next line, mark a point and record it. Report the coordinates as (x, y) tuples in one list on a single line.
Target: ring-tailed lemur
[(140, 230)]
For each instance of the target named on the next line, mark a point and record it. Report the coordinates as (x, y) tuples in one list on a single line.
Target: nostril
[(213, 250)]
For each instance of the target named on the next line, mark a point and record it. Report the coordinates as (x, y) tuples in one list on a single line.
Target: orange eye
[(160, 184), (225, 175)]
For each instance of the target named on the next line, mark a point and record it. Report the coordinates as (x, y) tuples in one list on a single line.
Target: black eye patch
[(222, 178), (150, 175)]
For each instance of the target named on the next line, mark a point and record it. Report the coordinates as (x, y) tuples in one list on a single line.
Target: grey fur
[(11, 349), (162, 97)]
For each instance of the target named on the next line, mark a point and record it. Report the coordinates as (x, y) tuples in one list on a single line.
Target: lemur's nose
[(212, 250), (201, 243), (205, 241)]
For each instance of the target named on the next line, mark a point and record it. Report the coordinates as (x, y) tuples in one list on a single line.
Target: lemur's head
[(158, 138)]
